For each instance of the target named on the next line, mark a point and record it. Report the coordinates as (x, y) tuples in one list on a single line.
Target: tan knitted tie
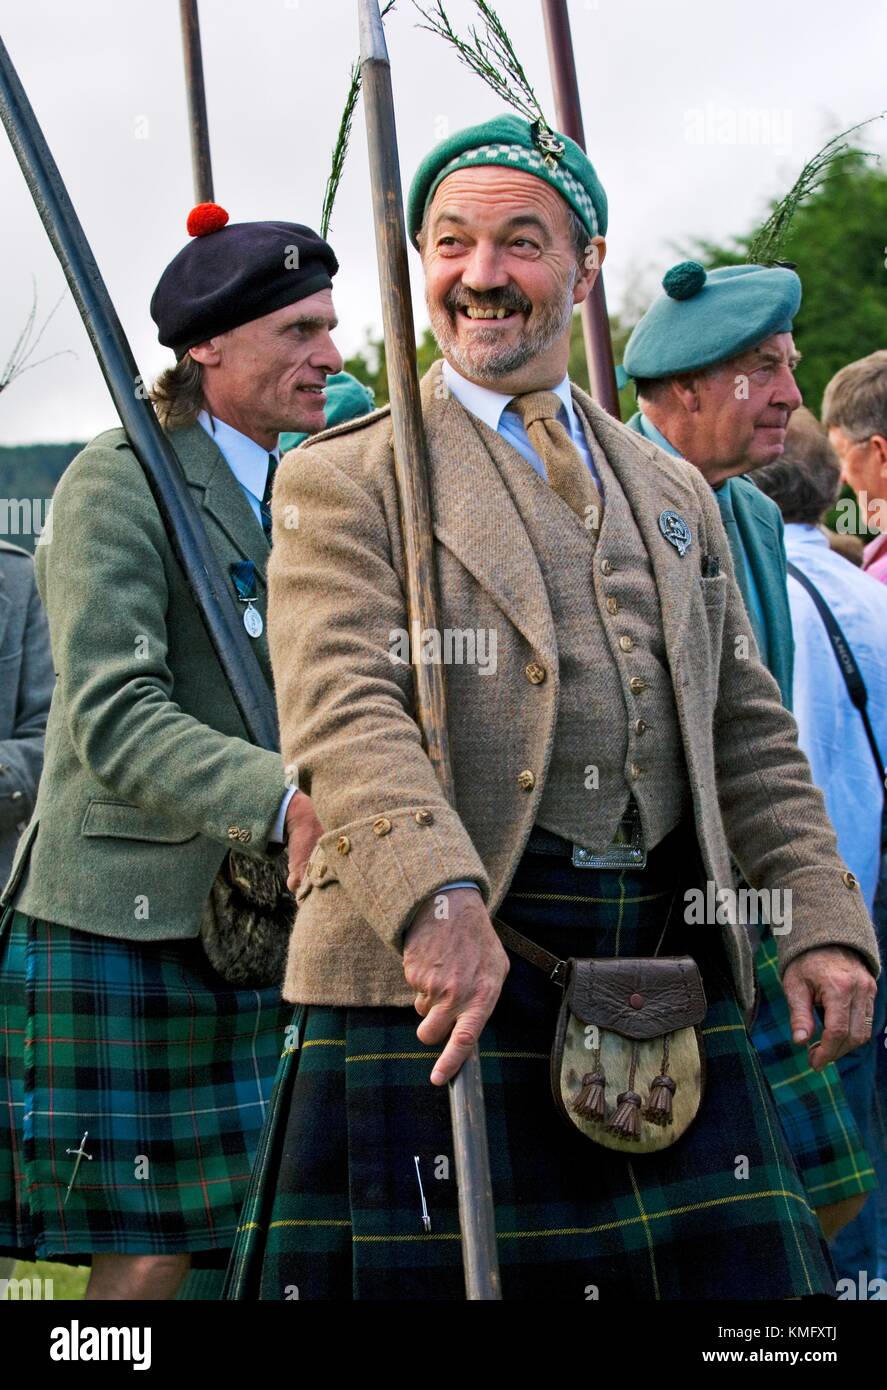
[(568, 473)]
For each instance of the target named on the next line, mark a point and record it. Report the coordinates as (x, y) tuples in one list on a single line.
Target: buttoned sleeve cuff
[(389, 864), (827, 909)]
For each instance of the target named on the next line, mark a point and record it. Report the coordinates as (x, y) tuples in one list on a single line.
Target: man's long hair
[(177, 394)]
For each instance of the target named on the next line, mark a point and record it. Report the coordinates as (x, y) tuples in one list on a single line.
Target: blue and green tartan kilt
[(158, 1065), (334, 1207), (822, 1134)]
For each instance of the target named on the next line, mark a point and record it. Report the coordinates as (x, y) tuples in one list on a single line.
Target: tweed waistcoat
[(611, 739)]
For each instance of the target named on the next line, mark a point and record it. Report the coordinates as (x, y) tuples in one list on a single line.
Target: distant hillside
[(28, 475)]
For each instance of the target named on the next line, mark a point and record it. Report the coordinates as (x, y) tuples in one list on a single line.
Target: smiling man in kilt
[(612, 741), (136, 1077)]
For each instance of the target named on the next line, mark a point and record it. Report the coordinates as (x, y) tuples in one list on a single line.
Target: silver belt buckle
[(626, 850)]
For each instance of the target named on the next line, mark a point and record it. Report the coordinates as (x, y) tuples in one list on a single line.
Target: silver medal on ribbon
[(252, 621)]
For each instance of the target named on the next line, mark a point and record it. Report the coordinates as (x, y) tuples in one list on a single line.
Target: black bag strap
[(847, 663)]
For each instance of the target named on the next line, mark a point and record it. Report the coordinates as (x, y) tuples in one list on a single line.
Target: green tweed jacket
[(148, 774)]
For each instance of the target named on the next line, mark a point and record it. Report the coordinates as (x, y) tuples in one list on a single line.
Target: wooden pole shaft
[(470, 1152), (568, 112), (201, 162)]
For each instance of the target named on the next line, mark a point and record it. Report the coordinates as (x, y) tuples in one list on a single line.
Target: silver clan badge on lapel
[(675, 530)]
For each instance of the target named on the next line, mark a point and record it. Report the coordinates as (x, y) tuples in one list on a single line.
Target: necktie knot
[(535, 406)]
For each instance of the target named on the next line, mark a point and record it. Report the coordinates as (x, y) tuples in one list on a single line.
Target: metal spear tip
[(372, 34)]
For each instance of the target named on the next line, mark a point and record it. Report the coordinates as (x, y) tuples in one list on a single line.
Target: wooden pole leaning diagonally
[(411, 470), (201, 163), (568, 111), (178, 510)]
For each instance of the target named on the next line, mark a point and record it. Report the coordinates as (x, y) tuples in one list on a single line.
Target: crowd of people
[(689, 693)]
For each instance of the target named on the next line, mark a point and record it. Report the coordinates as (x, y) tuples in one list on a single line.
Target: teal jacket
[(758, 549)]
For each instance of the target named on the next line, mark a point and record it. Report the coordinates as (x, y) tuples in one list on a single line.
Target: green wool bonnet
[(513, 143)]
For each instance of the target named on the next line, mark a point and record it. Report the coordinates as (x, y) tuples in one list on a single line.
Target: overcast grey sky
[(696, 112)]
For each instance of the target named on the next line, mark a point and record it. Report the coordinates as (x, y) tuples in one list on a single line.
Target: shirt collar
[(488, 405), (649, 431), (800, 533), (247, 460)]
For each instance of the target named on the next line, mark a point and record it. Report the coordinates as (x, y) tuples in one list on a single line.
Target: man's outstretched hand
[(837, 981), (456, 965), (303, 830)]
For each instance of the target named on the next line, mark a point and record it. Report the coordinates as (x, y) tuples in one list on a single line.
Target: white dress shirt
[(490, 406), (830, 729), (248, 462)]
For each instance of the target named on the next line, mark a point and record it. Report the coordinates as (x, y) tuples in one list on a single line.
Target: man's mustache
[(504, 297)]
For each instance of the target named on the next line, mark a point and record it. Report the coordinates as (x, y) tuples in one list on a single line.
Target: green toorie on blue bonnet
[(706, 317), (513, 143)]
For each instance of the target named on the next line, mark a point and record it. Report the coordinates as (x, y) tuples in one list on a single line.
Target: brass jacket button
[(626, 643), (233, 832), (244, 836), (535, 673), (606, 567), (640, 726), (612, 605), (637, 684), (526, 779), (850, 880), (635, 772), (343, 844), (382, 825), (424, 818)]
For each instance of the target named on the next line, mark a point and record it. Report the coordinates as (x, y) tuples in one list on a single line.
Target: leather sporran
[(628, 1064), (247, 920)]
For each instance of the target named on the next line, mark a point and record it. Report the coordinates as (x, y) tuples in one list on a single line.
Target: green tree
[(837, 243)]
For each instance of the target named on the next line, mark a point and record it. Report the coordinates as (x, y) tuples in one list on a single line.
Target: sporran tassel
[(626, 1120), (591, 1102), (662, 1088)]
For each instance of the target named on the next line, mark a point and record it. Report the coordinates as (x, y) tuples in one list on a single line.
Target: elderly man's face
[(268, 375), (502, 276), (863, 462), (734, 419)]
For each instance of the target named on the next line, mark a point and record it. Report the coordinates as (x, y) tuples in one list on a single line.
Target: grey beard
[(489, 357)]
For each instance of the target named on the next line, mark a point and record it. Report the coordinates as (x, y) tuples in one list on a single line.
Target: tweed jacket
[(149, 776), (761, 547), (336, 605), (26, 681)]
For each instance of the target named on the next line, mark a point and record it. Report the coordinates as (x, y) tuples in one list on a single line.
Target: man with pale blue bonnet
[(713, 361)]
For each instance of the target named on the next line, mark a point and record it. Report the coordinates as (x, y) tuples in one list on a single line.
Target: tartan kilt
[(334, 1209), (165, 1067), (823, 1135)]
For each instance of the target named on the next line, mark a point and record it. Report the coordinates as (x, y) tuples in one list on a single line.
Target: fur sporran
[(247, 920), (627, 1064)]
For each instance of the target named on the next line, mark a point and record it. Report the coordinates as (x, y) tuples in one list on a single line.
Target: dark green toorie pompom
[(684, 280)]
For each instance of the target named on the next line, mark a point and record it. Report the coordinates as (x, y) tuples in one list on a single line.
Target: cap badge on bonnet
[(547, 143)]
